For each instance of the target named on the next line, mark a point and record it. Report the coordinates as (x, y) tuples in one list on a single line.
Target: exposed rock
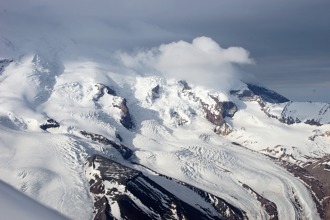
[(179, 120), (245, 95), (118, 102), (123, 150), (267, 95), (102, 207), (102, 90), (226, 108), (155, 92), (318, 133), (213, 113), (184, 84), (126, 119), (139, 197), (313, 122), (50, 123), (217, 114), (289, 120), (264, 96), (224, 129), (280, 152), (229, 109), (320, 171)]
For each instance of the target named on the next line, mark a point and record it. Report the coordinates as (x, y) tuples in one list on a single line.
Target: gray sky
[(288, 40)]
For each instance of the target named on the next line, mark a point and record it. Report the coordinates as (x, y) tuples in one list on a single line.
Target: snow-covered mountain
[(92, 140)]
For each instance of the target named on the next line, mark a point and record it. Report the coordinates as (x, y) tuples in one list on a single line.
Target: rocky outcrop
[(117, 102), (313, 122), (50, 123), (180, 121), (102, 90), (315, 114), (320, 170), (126, 119), (318, 133), (123, 192), (214, 113), (184, 85), (244, 95), (224, 129), (155, 92), (229, 109), (289, 120), (267, 95)]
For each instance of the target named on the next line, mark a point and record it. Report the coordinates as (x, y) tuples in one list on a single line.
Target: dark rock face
[(229, 109), (318, 133), (215, 117), (245, 95), (126, 119), (217, 114), (320, 185), (179, 120), (262, 94), (103, 89), (213, 113), (313, 122), (119, 102), (155, 92), (289, 120), (50, 123), (123, 150), (104, 213), (140, 197), (184, 84), (266, 94)]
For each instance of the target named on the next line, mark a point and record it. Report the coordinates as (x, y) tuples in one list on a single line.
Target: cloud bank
[(288, 39), (201, 62)]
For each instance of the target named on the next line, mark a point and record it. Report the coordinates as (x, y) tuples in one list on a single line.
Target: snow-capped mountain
[(91, 140)]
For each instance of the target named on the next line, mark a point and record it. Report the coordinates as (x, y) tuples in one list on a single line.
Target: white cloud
[(202, 62)]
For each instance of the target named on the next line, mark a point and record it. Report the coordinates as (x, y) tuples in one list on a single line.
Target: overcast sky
[(288, 40)]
